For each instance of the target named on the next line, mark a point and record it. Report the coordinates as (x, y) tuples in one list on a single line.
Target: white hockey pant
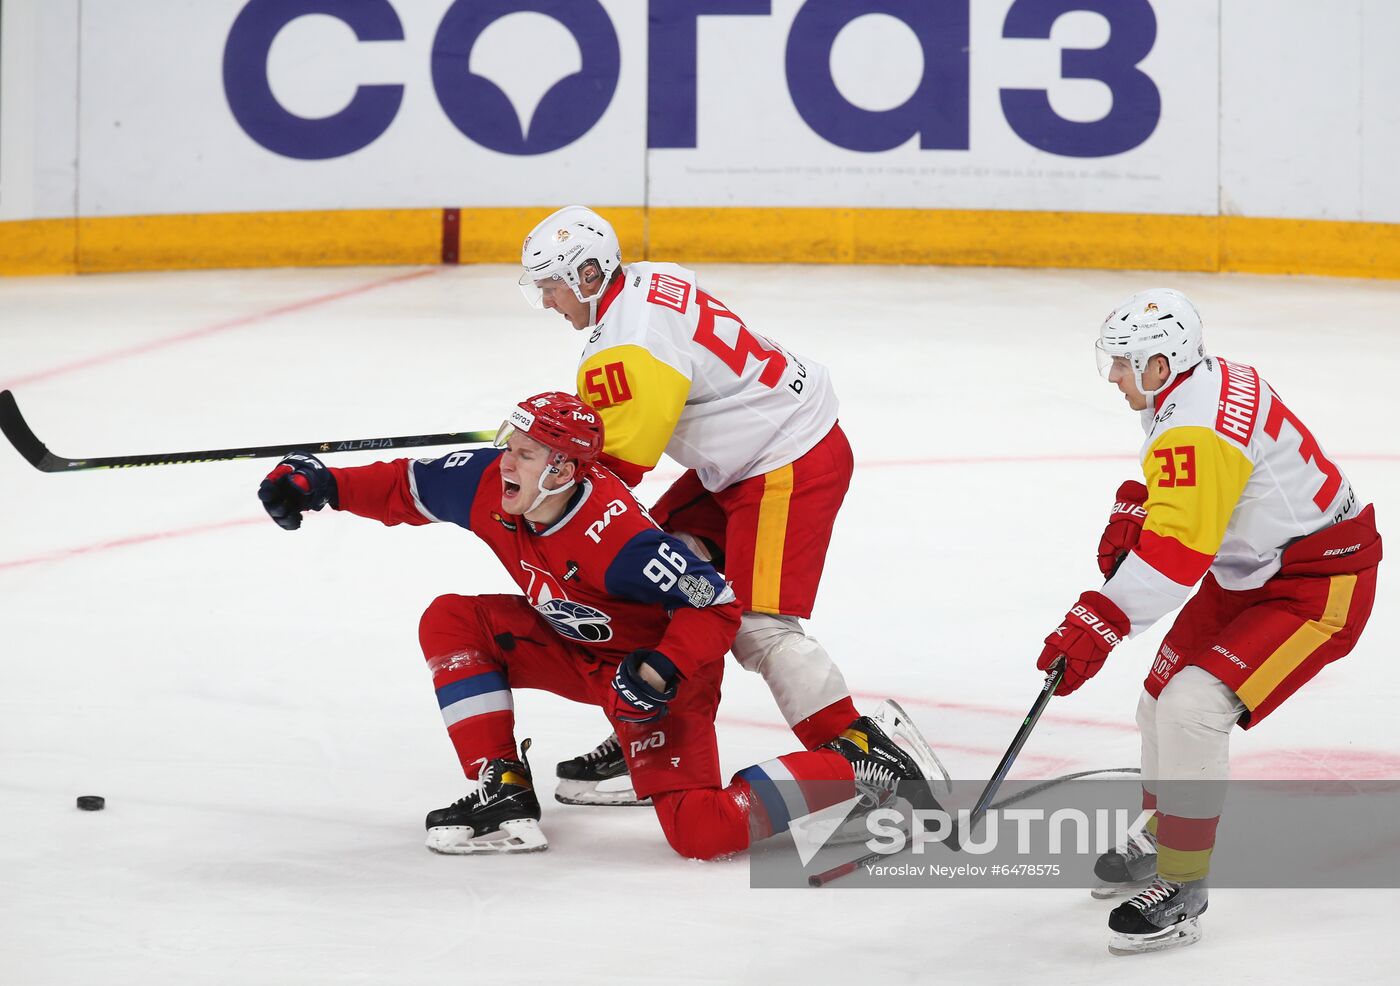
[(797, 669)]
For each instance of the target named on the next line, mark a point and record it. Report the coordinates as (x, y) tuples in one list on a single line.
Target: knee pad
[(703, 823), (761, 634), (1196, 699), (439, 620), (452, 633)]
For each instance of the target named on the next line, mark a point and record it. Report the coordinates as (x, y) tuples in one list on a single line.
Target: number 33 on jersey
[(671, 369)]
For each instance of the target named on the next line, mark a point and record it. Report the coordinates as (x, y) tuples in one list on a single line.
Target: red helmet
[(560, 422)]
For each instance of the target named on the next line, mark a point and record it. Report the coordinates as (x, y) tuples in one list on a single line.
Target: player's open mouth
[(510, 488)]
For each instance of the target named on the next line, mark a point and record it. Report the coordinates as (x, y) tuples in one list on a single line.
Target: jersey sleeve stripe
[(770, 541), (1184, 566), (417, 500)]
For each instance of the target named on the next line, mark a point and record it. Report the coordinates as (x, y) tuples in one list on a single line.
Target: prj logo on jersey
[(569, 618), (937, 113)]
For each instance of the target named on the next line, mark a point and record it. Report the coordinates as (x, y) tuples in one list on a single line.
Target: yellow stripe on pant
[(770, 541), (1302, 645)]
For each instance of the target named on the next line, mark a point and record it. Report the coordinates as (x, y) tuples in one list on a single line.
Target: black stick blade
[(24, 440)]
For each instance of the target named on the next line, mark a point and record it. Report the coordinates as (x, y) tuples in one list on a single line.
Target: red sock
[(477, 709), (826, 725)]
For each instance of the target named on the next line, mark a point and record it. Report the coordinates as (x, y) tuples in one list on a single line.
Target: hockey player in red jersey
[(612, 612), (671, 368), (1236, 492)]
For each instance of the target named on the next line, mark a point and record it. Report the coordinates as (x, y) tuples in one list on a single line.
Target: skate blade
[(1188, 932), (517, 835), (900, 727), (590, 793), (1108, 891)]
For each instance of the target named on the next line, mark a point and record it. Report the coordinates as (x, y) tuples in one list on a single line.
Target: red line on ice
[(208, 330), (126, 542)]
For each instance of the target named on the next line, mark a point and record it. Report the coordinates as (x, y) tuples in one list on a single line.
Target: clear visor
[(503, 434), (532, 289), (507, 431), (536, 289), (1106, 360)]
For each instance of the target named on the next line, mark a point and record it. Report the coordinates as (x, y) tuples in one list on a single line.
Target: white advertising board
[(38, 108), (997, 104), (239, 105), (1194, 107), (1310, 109)]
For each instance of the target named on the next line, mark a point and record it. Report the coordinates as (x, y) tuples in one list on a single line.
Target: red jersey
[(603, 575)]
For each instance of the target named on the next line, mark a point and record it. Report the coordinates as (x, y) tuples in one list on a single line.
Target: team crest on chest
[(568, 618)]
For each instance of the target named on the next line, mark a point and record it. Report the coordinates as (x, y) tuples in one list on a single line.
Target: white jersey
[(1233, 478), (669, 368)]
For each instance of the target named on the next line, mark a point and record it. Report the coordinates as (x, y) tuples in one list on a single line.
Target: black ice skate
[(502, 815), (598, 777), (1164, 915), (1127, 868), (887, 748)]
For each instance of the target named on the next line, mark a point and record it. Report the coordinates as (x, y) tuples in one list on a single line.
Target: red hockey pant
[(480, 648)]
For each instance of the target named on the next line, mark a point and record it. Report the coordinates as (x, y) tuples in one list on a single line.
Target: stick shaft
[(1047, 691), (17, 430)]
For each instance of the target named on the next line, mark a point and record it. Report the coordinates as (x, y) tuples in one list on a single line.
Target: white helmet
[(561, 246), (1155, 322)]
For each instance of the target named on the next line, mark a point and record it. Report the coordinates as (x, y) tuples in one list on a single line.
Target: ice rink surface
[(254, 707)]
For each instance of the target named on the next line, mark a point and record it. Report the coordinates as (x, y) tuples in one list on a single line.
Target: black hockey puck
[(91, 802)]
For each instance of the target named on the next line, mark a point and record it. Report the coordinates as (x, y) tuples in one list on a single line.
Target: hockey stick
[(1047, 690), (12, 423)]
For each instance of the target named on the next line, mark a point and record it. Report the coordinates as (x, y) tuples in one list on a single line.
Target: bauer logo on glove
[(1124, 528), (1090, 630), (1102, 628), (634, 699)]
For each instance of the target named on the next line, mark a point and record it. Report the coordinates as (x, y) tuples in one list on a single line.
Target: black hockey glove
[(300, 483), (633, 700)]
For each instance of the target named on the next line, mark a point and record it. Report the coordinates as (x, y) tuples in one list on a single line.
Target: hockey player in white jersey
[(1238, 496), (670, 368)]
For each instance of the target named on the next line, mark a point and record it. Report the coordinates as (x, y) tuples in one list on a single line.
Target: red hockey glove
[(633, 698), (1124, 527), (1092, 628)]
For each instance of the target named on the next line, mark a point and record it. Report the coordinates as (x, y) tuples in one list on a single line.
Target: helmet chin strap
[(1151, 395), (592, 301), (544, 494)]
